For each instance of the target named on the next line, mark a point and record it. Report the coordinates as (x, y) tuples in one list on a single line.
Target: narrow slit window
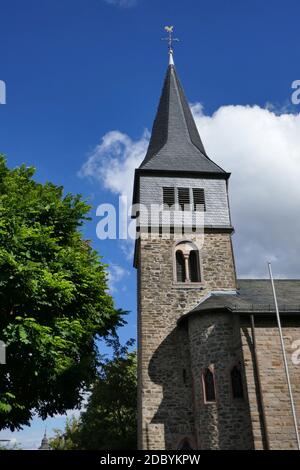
[(169, 197), (209, 386), (180, 267), (184, 376), (184, 198), (237, 382), (199, 199)]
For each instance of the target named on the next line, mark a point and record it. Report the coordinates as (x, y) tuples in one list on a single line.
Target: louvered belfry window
[(199, 199), (169, 196), (184, 198)]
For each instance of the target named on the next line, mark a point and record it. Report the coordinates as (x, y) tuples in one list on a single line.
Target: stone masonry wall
[(274, 386), (215, 342), (166, 413)]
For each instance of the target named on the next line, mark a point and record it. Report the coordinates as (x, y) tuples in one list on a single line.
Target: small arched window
[(185, 445), (236, 382), (194, 266), (209, 386), (180, 266)]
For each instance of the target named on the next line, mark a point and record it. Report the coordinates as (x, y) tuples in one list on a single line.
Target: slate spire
[(175, 143), (45, 443)]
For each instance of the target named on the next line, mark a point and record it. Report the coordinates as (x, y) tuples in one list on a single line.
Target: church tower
[(175, 270), (45, 443)]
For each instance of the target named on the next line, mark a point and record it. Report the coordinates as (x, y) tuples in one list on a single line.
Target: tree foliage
[(53, 299), (66, 439), (109, 421)]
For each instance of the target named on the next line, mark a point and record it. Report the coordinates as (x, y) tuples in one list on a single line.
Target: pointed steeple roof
[(45, 443), (175, 143)]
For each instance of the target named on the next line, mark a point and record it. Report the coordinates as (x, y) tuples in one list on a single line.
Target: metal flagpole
[(284, 358)]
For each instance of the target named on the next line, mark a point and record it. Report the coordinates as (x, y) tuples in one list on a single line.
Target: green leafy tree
[(109, 421), (53, 299), (66, 439)]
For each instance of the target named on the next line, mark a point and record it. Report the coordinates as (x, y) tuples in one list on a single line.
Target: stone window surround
[(212, 370), (186, 246)]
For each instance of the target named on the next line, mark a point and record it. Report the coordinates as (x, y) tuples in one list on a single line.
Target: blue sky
[(77, 70)]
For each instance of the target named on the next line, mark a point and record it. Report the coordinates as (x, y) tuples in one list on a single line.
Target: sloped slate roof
[(255, 295), (175, 142)]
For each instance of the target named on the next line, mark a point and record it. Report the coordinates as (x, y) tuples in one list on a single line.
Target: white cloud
[(261, 149), (122, 3), (116, 274), (112, 163), (114, 160)]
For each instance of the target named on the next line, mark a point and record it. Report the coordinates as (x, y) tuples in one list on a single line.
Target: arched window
[(180, 267), (209, 386), (194, 266), (185, 445), (187, 262), (236, 382)]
